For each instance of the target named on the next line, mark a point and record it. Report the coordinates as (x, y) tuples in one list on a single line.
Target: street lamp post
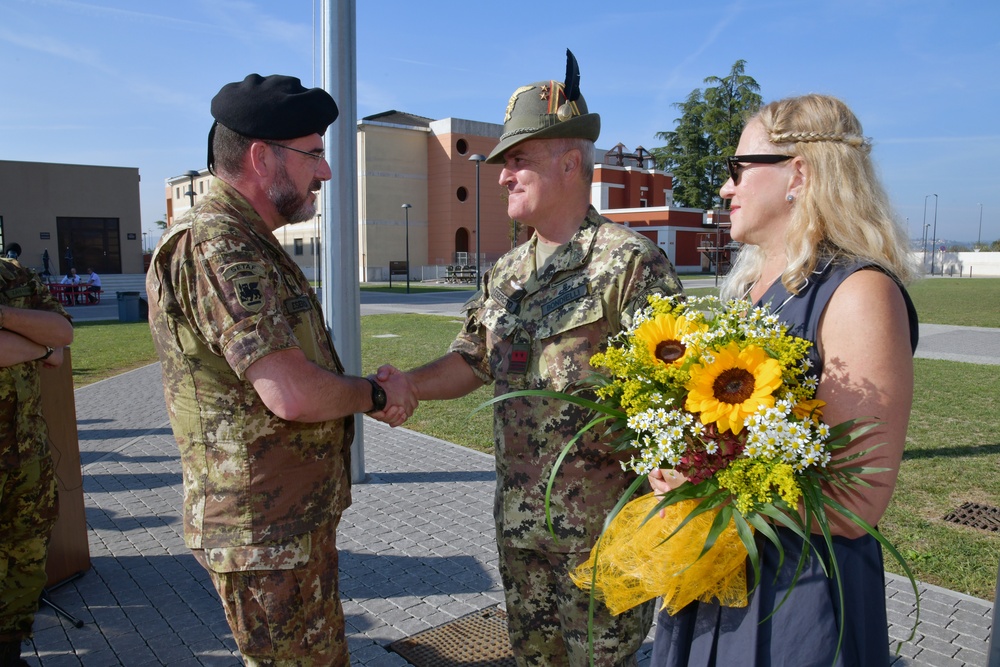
[(979, 240), (192, 174), (923, 260), (406, 211), (933, 231), (477, 158)]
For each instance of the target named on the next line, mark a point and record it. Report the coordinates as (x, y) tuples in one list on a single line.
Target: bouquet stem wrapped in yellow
[(622, 574)]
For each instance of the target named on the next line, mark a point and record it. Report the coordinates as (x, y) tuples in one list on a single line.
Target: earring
[(790, 197)]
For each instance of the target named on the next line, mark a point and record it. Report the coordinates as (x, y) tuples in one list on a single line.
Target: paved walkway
[(417, 547)]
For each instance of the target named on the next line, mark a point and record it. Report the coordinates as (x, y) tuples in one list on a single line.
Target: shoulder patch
[(248, 293), (240, 268)]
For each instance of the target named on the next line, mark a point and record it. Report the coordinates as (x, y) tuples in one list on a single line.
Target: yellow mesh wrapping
[(634, 566)]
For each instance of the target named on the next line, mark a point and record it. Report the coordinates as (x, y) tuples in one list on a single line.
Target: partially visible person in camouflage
[(34, 329), (546, 307), (259, 404)]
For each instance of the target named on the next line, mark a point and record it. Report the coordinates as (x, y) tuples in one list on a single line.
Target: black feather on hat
[(547, 110), (271, 107)]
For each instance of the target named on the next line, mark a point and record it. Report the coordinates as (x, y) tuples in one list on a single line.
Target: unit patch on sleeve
[(248, 293)]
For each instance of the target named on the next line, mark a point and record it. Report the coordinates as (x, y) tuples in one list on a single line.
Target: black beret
[(273, 107)]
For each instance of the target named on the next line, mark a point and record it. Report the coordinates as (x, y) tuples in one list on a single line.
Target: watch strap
[(378, 396)]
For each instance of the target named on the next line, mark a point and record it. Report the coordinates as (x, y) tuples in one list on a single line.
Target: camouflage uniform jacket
[(529, 331), (23, 434), (223, 295)]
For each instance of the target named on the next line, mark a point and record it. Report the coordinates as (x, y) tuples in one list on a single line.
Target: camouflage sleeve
[(45, 301), (471, 340), (649, 272), (234, 303), (26, 290)]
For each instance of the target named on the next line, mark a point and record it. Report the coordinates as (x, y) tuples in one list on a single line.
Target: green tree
[(995, 246), (685, 152), (708, 130)]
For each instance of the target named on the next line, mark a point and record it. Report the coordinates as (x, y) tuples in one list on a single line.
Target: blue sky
[(127, 83)]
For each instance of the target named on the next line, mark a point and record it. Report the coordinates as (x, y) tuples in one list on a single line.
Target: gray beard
[(290, 205)]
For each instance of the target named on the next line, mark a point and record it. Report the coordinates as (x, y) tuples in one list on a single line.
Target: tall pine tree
[(707, 131)]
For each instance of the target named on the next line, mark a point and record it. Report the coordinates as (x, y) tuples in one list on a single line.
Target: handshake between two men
[(447, 377)]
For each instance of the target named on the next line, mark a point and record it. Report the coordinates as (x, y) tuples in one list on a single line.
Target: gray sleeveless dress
[(804, 630)]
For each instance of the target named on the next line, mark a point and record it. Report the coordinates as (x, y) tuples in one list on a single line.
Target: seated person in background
[(70, 278), (93, 286)]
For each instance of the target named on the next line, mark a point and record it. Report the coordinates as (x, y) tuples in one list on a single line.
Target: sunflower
[(733, 386), (662, 336)]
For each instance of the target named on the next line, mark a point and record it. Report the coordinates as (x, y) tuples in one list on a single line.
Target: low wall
[(962, 264)]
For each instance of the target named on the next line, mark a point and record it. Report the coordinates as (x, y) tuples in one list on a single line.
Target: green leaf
[(560, 395), (745, 534), (888, 546)]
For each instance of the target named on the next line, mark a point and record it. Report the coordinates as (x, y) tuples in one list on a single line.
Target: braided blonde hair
[(841, 208)]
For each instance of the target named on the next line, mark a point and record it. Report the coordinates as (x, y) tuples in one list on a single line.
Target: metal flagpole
[(341, 296)]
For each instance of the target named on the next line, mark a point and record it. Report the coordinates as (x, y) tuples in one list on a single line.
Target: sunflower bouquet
[(720, 393)]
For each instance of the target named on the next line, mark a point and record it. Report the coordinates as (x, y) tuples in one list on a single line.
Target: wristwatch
[(48, 353), (378, 397)]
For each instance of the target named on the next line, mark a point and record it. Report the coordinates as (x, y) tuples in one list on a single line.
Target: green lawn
[(953, 446), (952, 456), (103, 349), (970, 302)]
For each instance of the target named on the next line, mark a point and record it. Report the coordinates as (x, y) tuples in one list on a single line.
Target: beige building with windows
[(428, 164), (402, 159), (72, 215)]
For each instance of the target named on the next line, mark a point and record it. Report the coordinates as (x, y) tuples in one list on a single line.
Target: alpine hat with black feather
[(547, 110)]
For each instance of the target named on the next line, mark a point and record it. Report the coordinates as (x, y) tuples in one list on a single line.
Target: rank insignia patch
[(519, 353)]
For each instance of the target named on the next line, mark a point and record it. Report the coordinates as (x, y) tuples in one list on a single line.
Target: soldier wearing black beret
[(259, 404)]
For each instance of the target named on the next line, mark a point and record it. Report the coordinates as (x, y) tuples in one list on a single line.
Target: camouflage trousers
[(28, 509), (289, 616), (547, 614)]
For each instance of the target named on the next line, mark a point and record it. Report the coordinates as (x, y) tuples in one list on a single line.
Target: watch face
[(378, 397)]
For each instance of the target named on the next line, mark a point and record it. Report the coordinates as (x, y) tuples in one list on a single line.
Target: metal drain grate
[(976, 516), (479, 638)]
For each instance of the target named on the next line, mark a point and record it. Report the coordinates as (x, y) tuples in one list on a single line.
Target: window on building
[(201, 187), (177, 193), (462, 146), (462, 193), (299, 248), (643, 203)]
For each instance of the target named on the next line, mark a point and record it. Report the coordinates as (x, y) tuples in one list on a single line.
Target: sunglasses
[(733, 163)]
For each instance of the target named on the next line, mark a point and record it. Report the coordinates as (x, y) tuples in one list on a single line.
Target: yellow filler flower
[(733, 386)]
